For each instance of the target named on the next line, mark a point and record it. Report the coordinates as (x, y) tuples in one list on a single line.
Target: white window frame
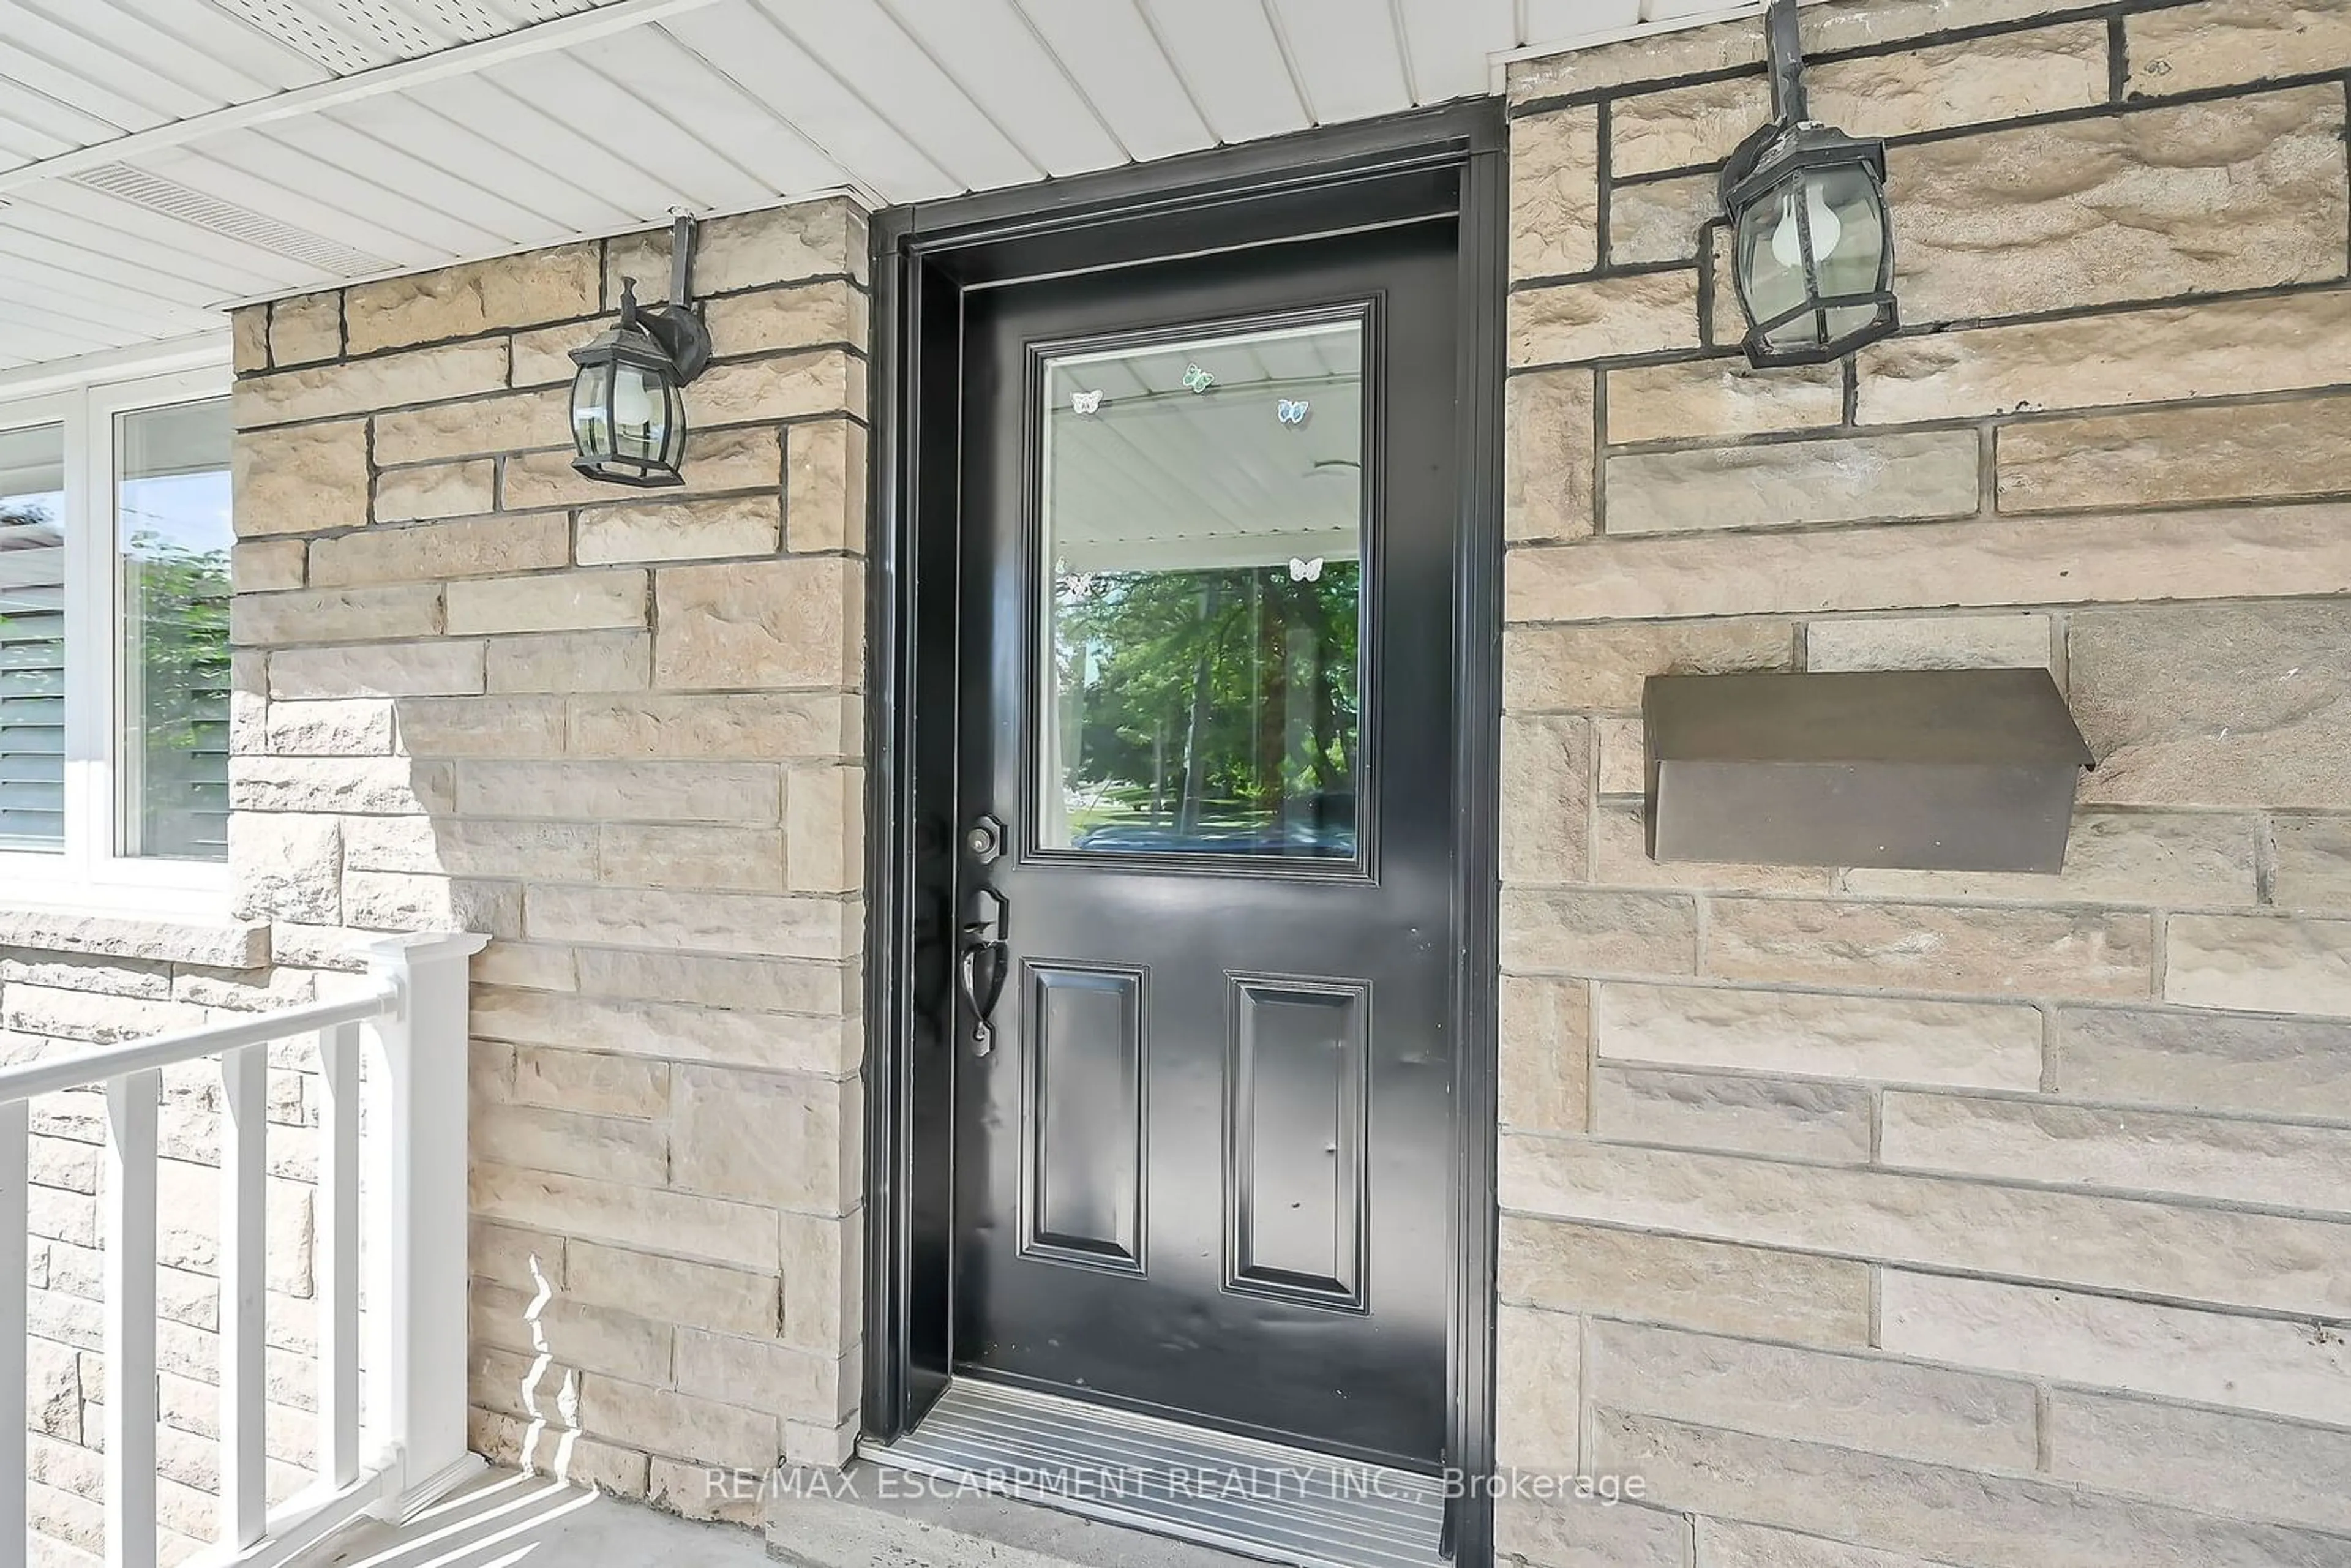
[(91, 872)]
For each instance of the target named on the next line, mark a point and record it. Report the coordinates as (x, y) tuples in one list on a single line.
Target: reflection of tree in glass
[(1212, 702), (181, 609)]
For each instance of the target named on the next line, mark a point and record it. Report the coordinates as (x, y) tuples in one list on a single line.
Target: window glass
[(172, 535), (1202, 575), (32, 639)]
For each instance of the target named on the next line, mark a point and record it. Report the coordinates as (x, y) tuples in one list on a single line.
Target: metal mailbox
[(1927, 769)]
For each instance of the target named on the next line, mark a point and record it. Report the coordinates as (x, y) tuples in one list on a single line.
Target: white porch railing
[(403, 1186)]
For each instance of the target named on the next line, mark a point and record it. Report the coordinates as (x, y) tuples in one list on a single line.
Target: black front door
[(1204, 1150)]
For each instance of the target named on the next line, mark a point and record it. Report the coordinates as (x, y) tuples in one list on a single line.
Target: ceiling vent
[(350, 35), (241, 223)]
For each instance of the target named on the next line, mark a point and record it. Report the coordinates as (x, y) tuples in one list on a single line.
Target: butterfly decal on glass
[(1086, 402), (1198, 380), (1305, 570), (1290, 410)]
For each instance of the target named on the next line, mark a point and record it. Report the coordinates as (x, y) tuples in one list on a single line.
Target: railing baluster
[(244, 1250), (16, 1149), (130, 1274), (337, 1281)]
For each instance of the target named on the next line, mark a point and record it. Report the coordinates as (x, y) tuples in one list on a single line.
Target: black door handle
[(983, 936)]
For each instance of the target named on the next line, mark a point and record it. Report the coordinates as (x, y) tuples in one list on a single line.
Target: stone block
[(2224, 42), (455, 846), (789, 1141), (2233, 1464), (2284, 1367), (571, 661), (665, 1288), (2310, 862), (1602, 667), (1547, 463), (2131, 1151), (824, 1285), (547, 285), (398, 901), (1545, 1053), (1546, 790), (2198, 197), (797, 1384), (1978, 81), (380, 669), (556, 601), (664, 1421), (825, 486), (1630, 313), (1825, 1123), (594, 1082), (1932, 473), (1948, 1512), (1685, 127), (535, 1138), (1537, 1405), (2168, 858), (345, 727), (681, 530), (363, 785), (682, 1224), (521, 964), (2099, 1243), (780, 244), (804, 385), (805, 316), (794, 622), (335, 615), (2218, 704), (2258, 963), (1696, 399), (752, 925), (542, 355), (510, 727), (262, 566), (226, 945), (1857, 1401), (286, 867), (607, 791), (2155, 355), (300, 481), (2172, 457), (1661, 220), (1709, 1285), (755, 985), (1620, 858), (1554, 192), (1971, 1044), (742, 727), (2241, 552), (306, 328), (384, 381), (824, 824), (1723, 1545), (1930, 642), (740, 859), (716, 461), (435, 490), (1932, 947), (1592, 931), (1699, 51), (113, 976), (1623, 757), (433, 552)]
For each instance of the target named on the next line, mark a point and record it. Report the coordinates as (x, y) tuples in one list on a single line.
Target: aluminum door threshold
[(1260, 1500)]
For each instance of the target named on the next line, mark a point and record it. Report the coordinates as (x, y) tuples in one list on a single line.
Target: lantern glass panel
[(591, 405), (1771, 264), (641, 412), (674, 429)]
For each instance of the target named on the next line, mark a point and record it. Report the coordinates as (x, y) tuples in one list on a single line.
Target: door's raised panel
[(1295, 1116), (1085, 1115)]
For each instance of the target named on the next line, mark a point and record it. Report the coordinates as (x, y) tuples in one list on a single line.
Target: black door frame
[(1324, 180)]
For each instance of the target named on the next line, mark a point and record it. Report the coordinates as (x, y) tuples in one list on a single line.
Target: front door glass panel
[(1202, 535)]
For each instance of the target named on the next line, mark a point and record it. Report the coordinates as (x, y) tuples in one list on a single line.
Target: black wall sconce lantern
[(628, 413), (1812, 252)]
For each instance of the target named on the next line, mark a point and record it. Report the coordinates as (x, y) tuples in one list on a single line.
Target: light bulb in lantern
[(1787, 244)]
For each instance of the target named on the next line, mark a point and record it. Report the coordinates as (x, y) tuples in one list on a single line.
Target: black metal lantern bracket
[(1792, 144), (675, 325)]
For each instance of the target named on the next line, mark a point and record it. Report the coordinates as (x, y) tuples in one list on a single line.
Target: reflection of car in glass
[(1322, 825)]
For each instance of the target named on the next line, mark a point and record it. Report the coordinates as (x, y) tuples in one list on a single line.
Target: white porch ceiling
[(161, 158)]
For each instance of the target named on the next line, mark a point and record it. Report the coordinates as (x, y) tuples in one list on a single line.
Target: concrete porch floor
[(506, 1519)]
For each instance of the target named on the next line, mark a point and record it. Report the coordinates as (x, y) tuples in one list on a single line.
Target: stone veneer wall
[(618, 730), (1878, 1219)]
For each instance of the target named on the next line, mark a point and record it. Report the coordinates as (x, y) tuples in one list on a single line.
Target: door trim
[(1361, 175)]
